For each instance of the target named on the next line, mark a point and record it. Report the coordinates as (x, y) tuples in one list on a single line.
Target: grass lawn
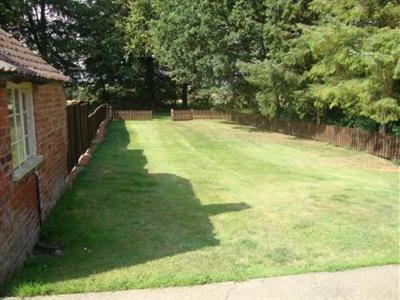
[(167, 203)]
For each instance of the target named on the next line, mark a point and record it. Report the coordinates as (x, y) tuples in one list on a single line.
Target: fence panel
[(82, 129), (373, 143), (182, 115), (72, 138), (196, 114), (132, 115)]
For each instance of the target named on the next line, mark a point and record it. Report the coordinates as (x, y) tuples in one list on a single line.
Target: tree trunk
[(185, 95), (43, 30), (104, 92), (278, 108), (150, 81), (318, 117), (383, 129)]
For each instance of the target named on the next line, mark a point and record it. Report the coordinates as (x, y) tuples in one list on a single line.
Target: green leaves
[(355, 61), (337, 59), (274, 85), (356, 67), (385, 110), (137, 27), (314, 59), (201, 41), (54, 34)]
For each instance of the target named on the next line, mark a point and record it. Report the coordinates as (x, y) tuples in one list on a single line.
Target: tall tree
[(356, 47), (279, 75), (48, 26), (138, 42), (106, 68), (201, 41)]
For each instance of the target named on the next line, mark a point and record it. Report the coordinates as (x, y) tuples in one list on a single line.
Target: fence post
[(384, 146), (81, 129), (84, 119), (71, 137)]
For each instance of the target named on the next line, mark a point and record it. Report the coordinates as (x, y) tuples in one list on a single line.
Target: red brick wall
[(19, 220), (51, 140)]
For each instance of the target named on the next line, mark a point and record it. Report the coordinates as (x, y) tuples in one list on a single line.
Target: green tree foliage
[(330, 61), (200, 41), (279, 75), (48, 26), (106, 69), (138, 43), (356, 48), (334, 59), (85, 39)]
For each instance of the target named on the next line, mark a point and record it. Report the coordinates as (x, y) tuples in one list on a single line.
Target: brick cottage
[(33, 148)]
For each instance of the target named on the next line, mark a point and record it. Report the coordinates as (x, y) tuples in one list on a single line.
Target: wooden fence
[(181, 115), (193, 114), (373, 143), (132, 115), (82, 128)]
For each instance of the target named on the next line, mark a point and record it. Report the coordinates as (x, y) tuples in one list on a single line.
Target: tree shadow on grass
[(252, 128), (118, 215), (247, 128)]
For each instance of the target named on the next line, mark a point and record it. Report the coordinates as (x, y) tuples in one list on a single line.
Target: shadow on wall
[(119, 215)]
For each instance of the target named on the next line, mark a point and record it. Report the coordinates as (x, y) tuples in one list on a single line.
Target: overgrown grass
[(184, 203)]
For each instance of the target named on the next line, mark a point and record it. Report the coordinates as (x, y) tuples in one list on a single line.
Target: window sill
[(31, 164)]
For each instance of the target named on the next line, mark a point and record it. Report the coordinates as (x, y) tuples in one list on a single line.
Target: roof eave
[(20, 77)]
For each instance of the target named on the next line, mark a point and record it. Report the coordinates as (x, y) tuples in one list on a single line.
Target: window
[(20, 107)]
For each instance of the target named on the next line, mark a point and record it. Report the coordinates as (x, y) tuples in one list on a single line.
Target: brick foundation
[(19, 219)]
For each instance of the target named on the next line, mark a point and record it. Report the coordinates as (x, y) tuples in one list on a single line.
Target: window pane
[(21, 153), (13, 130), (15, 160), (16, 102), (10, 102), (19, 127), (26, 134), (26, 127), (27, 146), (23, 101)]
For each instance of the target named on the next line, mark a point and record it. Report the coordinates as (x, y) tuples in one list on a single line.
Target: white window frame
[(22, 128)]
